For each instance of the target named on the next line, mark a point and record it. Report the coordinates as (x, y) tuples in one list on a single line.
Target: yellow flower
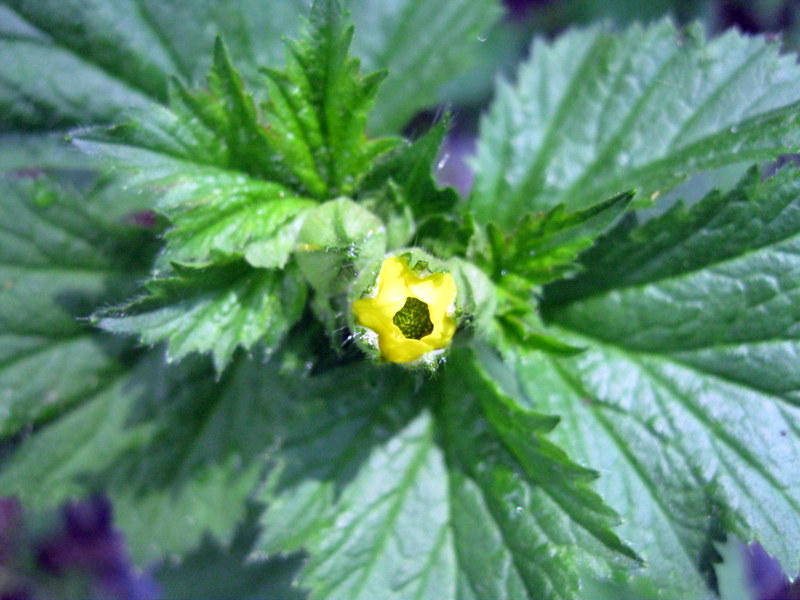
[(410, 314)]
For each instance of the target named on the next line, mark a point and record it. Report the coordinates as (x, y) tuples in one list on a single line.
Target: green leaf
[(410, 168), (47, 87), (204, 161), (733, 574), (525, 521), (132, 47), (215, 309), (318, 107), (217, 213), (35, 152), (60, 256), (596, 113), (687, 397), (177, 451), (616, 420), (542, 248), (459, 497), (233, 184), (128, 48), (228, 571), (545, 246), (339, 419), (422, 44)]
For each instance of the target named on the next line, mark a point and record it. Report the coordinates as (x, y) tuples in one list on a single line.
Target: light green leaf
[(612, 422), (687, 398), (206, 162), (216, 310), (217, 213), (596, 113), (460, 497), (60, 256), (177, 451)]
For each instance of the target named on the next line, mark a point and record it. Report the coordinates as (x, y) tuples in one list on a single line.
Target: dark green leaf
[(33, 152), (317, 110), (688, 394), (229, 571), (177, 451), (362, 483), (525, 522), (410, 167), (60, 256), (545, 246), (422, 44), (339, 418), (137, 44), (46, 87), (214, 310), (597, 113)]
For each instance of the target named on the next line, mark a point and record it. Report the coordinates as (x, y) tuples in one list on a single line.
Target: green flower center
[(414, 319)]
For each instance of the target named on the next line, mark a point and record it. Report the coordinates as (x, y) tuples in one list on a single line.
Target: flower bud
[(409, 312)]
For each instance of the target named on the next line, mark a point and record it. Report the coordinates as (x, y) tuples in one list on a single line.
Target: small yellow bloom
[(410, 314)]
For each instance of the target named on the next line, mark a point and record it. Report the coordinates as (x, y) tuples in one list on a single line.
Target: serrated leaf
[(216, 310), (597, 113), (233, 182), (410, 167), (526, 523), (60, 256), (318, 107), (399, 504), (339, 418), (204, 184), (670, 515), (145, 41), (177, 451), (687, 397), (219, 213), (545, 246), (361, 484), (423, 44), (542, 248)]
